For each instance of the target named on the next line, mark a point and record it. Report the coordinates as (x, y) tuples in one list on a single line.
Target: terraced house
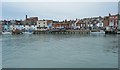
[(42, 25)]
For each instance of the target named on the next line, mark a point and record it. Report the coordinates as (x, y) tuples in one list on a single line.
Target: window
[(112, 21), (44, 25)]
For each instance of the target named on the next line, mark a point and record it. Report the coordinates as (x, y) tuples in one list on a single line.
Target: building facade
[(42, 25), (111, 21)]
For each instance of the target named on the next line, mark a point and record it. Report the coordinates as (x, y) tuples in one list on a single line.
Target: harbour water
[(60, 51)]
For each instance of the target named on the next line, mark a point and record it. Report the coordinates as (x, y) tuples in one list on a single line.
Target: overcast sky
[(59, 0), (57, 10)]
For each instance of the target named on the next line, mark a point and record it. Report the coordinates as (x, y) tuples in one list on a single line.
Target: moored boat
[(17, 31), (110, 30), (27, 32), (118, 32), (6, 33), (100, 32)]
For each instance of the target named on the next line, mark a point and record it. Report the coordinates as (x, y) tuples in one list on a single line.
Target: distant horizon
[(57, 11)]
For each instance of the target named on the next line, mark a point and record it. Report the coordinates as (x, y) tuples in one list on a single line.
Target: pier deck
[(62, 32)]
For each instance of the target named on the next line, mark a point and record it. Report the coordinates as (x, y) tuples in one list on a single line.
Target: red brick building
[(106, 21), (60, 25), (111, 20), (31, 20)]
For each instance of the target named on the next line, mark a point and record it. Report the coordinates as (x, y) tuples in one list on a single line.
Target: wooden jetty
[(62, 32)]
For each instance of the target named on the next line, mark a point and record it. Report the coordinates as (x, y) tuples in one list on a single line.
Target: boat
[(17, 31), (27, 32), (118, 32), (6, 33), (110, 30), (100, 32)]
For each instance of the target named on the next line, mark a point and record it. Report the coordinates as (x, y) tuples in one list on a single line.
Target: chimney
[(26, 17), (109, 14)]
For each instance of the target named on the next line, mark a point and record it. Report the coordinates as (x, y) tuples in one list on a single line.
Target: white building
[(27, 27), (33, 27), (111, 23), (12, 27), (42, 25), (100, 24), (23, 27)]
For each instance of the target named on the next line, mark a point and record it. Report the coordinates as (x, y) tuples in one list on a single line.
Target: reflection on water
[(60, 51)]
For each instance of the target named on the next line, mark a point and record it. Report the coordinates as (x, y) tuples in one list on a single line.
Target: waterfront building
[(95, 21), (111, 21), (61, 25), (5, 25), (56, 25), (31, 20), (75, 24), (16, 24), (64, 25), (30, 24), (12, 27), (27, 28), (100, 24), (42, 25), (71, 24), (49, 24), (106, 21), (87, 23), (33, 27), (80, 24)]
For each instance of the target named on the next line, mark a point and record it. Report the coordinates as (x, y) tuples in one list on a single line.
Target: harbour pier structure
[(62, 32)]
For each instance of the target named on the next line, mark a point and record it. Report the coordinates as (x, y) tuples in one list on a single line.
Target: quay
[(62, 32), (80, 26)]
